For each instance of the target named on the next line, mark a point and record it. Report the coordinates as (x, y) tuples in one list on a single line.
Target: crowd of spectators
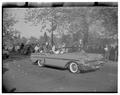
[(109, 52)]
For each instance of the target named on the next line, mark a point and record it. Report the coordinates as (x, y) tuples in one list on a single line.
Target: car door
[(56, 60)]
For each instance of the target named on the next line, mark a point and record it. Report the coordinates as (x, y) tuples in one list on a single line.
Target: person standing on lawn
[(80, 44), (106, 49)]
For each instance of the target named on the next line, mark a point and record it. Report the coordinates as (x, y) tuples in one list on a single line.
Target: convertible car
[(74, 62)]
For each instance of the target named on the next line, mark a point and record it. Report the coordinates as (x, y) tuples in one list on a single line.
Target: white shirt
[(106, 48), (36, 48)]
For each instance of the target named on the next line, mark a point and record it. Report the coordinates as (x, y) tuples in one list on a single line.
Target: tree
[(107, 18), (59, 20), (67, 39), (24, 40), (103, 24), (8, 22), (45, 37), (33, 40), (77, 22), (16, 38)]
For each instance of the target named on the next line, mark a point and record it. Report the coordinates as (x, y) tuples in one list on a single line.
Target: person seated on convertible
[(54, 50), (58, 51)]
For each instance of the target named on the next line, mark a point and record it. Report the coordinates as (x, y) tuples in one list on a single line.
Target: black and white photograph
[(59, 47)]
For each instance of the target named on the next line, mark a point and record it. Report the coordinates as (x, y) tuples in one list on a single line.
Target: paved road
[(22, 76)]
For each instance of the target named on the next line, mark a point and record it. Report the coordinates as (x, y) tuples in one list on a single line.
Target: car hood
[(86, 56)]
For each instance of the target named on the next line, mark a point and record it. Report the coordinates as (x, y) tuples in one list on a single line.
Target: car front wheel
[(73, 67)]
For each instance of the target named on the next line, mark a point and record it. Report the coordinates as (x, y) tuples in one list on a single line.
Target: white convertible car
[(74, 62)]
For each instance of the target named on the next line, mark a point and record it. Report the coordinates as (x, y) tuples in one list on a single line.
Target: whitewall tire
[(73, 67)]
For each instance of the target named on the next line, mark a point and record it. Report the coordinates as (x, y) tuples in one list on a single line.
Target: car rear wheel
[(39, 63), (73, 67)]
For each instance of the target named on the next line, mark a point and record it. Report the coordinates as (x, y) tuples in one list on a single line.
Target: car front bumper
[(92, 66)]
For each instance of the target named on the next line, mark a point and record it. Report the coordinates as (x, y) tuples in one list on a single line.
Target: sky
[(26, 29)]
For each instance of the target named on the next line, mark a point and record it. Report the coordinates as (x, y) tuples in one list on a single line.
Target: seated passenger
[(36, 48), (63, 49), (41, 49), (54, 50), (48, 47)]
